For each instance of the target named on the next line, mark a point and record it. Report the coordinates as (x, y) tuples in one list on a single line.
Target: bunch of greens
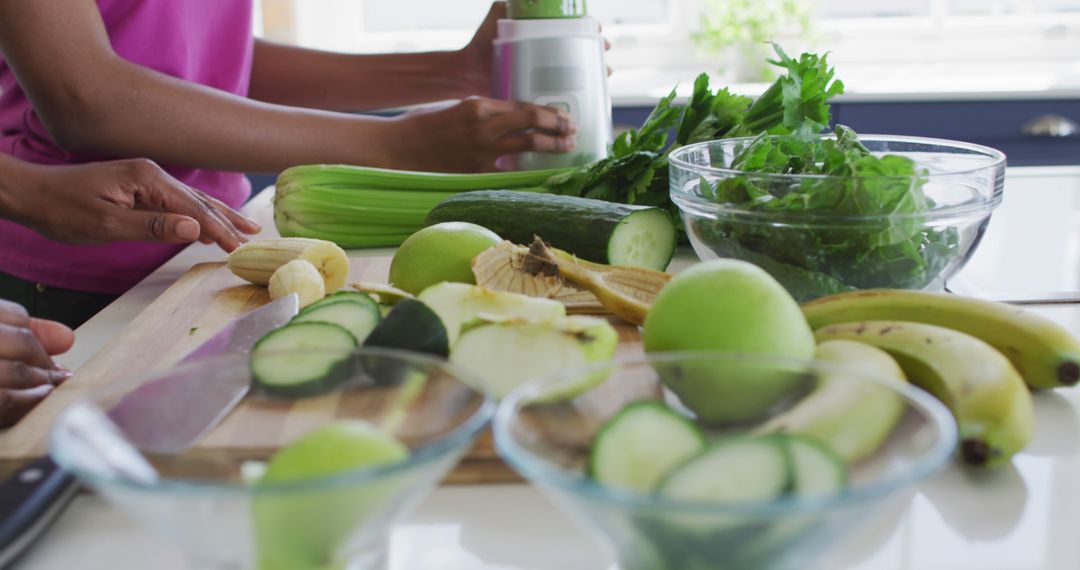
[(636, 172), (858, 226)]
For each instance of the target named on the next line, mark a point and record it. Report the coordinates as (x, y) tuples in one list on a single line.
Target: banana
[(298, 276), (1046, 354), (986, 395), (850, 415), (256, 261)]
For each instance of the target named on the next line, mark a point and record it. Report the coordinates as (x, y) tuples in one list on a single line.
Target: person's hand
[(125, 200), (27, 372), (477, 58), (471, 135)]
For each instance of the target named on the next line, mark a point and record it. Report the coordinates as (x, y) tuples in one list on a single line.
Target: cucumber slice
[(411, 325), (357, 318), (318, 358), (644, 238), (640, 445), (816, 469), (355, 296), (737, 470)]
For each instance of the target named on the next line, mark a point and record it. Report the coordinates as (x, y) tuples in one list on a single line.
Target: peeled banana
[(1046, 354), (256, 261), (988, 398), (298, 276), (851, 415)]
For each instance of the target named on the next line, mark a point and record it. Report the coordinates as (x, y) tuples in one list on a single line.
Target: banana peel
[(383, 293), (583, 286)]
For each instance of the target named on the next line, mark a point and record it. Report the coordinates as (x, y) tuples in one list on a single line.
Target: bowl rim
[(543, 472), (998, 160), (457, 437)]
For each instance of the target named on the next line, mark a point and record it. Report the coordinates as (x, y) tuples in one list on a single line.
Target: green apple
[(337, 447), (305, 528), (442, 252), (729, 306)]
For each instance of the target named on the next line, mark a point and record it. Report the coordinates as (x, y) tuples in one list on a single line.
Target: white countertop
[(1024, 517)]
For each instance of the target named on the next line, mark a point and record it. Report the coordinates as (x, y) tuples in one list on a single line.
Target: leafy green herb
[(816, 251), (637, 170)]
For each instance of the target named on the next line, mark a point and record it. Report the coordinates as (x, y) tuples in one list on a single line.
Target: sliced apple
[(458, 303), (509, 352)]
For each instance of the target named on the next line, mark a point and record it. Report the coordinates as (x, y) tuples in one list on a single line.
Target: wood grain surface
[(193, 309)]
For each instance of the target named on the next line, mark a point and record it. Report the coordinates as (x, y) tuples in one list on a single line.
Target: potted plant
[(739, 31)]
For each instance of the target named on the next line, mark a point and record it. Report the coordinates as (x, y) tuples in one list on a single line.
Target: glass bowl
[(549, 443), (208, 499), (819, 235)]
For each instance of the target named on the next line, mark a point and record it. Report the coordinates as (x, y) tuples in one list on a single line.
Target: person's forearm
[(13, 176), (134, 111), (347, 82), (92, 100)]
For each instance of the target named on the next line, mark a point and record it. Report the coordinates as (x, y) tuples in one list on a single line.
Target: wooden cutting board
[(193, 309)]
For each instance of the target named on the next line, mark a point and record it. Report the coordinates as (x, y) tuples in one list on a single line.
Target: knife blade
[(32, 498), (167, 416)]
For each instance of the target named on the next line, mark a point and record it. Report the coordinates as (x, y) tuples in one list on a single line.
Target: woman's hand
[(127, 200), (27, 372), (471, 135)]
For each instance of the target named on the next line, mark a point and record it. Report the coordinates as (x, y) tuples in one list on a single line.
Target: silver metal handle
[(1051, 126)]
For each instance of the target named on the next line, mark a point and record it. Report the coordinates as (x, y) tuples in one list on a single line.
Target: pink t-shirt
[(203, 41)]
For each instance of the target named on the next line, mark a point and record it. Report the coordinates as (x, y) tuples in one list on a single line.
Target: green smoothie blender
[(549, 52)]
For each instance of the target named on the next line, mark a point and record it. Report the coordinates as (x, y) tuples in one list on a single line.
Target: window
[(652, 33)]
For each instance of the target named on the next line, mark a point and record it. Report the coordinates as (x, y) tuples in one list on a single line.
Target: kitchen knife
[(170, 416)]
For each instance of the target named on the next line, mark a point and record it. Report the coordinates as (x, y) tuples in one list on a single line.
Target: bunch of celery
[(370, 207), (358, 207)]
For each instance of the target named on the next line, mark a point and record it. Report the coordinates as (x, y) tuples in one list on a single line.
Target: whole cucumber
[(604, 232)]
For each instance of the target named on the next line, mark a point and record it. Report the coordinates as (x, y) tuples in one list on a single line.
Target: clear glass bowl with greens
[(213, 500), (550, 443), (907, 216)]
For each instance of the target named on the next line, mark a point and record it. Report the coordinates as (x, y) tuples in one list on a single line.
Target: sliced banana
[(298, 276)]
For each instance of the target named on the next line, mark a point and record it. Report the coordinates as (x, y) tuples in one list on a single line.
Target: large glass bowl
[(548, 441), (208, 499), (820, 235)]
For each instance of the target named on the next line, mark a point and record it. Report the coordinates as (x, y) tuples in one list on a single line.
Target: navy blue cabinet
[(1000, 124)]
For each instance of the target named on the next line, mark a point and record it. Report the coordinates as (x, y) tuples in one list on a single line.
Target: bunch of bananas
[(978, 357)]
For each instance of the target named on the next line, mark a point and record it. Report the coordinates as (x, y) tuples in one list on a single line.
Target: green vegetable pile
[(857, 228)]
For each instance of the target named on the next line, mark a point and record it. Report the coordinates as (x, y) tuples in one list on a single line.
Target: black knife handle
[(29, 502)]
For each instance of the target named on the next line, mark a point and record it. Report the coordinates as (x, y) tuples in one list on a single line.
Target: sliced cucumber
[(411, 325), (355, 296), (641, 444), (645, 238), (317, 358), (816, 469), (736, 470), (359, 318)]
